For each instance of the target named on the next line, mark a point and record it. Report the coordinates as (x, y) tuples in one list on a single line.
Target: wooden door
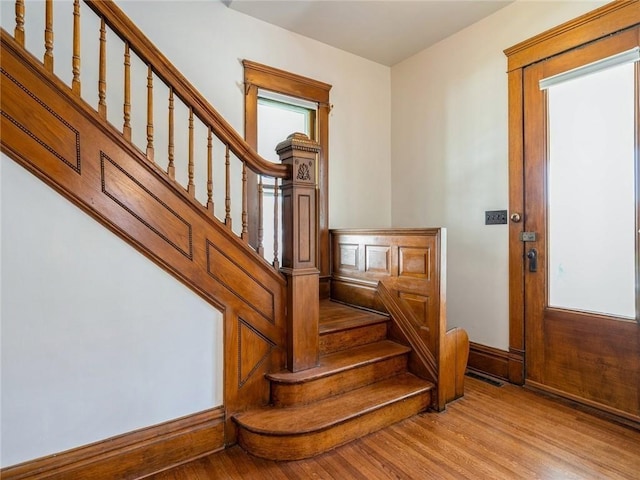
[(573, 346)]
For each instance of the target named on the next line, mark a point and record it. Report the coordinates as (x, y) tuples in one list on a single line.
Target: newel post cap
[(297, 141), (299, 151)]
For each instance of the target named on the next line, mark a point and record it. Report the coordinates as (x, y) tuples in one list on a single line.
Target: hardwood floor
[(492, 433)]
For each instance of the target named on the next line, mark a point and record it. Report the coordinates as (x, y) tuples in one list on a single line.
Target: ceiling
[(384, 31)]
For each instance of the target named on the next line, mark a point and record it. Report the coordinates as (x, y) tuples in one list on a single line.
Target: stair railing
[(226, 155)]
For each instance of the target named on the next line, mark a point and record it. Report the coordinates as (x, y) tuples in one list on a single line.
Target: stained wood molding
[(132, 455), (610, 18), (488, 360)]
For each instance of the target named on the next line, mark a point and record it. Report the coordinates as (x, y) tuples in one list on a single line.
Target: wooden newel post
[(299, 245)]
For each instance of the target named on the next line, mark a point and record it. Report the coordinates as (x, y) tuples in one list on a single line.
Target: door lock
[(532, 255)]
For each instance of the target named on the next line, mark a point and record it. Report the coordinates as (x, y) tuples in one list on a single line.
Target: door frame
[(606, 20)]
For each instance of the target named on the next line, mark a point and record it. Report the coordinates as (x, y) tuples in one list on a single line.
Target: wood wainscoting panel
[(402, 272), (414, 262), (488, 360), (256, 348), (132, 455), (123, 188), (349, 256), (225, 269), (39, 125), (378, 259), (405, 259)]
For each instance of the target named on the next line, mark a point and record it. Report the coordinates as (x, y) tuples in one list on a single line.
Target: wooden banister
[(181, 87)]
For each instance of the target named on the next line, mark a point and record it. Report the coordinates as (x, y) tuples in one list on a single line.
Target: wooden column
[(299, 247)]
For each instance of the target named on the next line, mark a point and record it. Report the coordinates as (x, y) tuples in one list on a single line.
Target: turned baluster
[(276, 262), (150, 113), (191, 188), (18, 33), (48, 36), (75, 63), (227, 185), (245, 232), (102, 71), (171, 169), (126, 129), (210, 171), (260, 248)]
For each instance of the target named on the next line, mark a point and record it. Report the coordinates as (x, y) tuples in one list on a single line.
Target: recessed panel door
[(581, 213)]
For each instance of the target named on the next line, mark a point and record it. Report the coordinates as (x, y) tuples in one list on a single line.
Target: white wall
[(96, 340), (450, 155)]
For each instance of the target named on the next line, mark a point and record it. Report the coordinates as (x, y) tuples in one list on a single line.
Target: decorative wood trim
[(132, 455), (281, 81), (488, 360), (128, 183), (516, 206), (608, 19), (36, 126), (253, 292)]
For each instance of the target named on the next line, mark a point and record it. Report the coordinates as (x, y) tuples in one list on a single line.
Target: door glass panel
[(591, 193)]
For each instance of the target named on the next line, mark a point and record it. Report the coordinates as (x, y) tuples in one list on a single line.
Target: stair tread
[(337, 316), (343, 360), (332, 411)]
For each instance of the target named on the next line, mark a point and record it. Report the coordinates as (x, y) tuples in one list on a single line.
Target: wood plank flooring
[(492, 433)]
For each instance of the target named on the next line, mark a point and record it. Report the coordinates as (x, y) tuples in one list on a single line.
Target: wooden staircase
[(351, 371), (362, 384)]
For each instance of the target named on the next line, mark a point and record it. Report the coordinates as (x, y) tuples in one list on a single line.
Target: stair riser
[(286, 394), (341, 340), (296, 447)]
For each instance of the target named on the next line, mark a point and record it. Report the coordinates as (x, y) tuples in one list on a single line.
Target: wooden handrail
[(168, 73)]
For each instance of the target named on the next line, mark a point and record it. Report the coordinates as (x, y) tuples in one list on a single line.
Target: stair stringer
[(59, 138)]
